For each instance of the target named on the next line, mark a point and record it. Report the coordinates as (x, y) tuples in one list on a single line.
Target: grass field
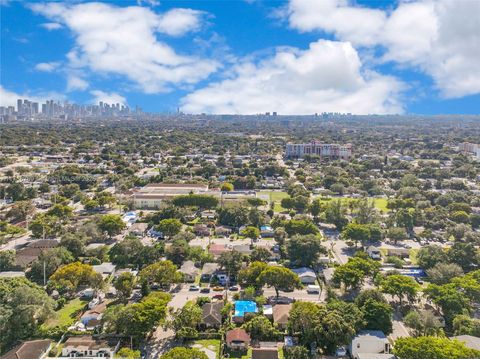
[(277, 196), (67, 315)]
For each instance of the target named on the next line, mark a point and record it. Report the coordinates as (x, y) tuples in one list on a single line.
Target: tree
[(20, 210), (304, 251), (127, 353), (75, 243), (169, 227), (400, 286), (235, 216), (452, 301), (260, 254), (432, 348), (7, 260), (378, 315), (196, 200), (465, 255), (356, 233), (44, 225), (226, 187), (442, 273), (335, 214), (184, 321), (184, 353), (260, 328), (248, 277), (124, 285), (353, 273), (251, 232), (304, 317), (112, 224), (61, 211), (300, 226), (230, 261), (47, 263), (24, 307), (429, 256), (465, 325), (69, 277), (178, 251), (315, 208), (423, 323), (163, 273), (332, 330), (125, 253), (139, 319), (280, 278), (397, 234)]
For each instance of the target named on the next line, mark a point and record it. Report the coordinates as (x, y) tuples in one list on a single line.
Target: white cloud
[(107, 97), (51, 26), (76, 82), (177, 22), (9, 98), (327, 77), (439, 37), (46, 66), (123, 41)]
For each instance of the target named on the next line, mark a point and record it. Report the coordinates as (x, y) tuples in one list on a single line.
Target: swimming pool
[(245, 306)]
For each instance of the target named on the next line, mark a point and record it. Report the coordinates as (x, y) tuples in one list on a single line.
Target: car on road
[(280, 300), (205, 290), (194, 288), (233, 288), (218, 296), (313, 289)]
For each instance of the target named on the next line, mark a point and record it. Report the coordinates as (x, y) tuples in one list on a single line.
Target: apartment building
[(469, 149), (317, 148)]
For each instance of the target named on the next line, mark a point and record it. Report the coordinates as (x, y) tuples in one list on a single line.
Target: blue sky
[(238, 56)]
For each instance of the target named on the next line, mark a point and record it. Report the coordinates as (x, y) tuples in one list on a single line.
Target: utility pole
[(44, 274)]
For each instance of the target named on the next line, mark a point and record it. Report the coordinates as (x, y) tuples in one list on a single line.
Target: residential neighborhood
[(177, 239)]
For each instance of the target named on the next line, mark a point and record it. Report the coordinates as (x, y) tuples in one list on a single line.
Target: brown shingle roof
[(212, 313), (33, 349), (281, 313), (264, 353), (237, 335)]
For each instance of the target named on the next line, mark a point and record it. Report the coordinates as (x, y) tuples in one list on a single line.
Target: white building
[(152, 195), (331, 150), (369, 342)]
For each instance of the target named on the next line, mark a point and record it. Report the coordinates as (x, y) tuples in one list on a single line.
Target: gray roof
[(188, 267), (210, 268), (371, 333), (212, 313)]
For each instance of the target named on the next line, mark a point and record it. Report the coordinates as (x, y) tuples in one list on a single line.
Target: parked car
[(218, 296), (313, 289), (217, 289), (233, 288), (193, 288), (205, 290)]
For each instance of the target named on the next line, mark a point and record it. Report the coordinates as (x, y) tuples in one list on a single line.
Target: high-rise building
[(19, 106)]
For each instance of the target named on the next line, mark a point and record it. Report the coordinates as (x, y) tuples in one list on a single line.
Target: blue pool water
[(245, 306)]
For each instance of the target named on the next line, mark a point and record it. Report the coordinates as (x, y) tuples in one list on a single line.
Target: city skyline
[(292, 57)]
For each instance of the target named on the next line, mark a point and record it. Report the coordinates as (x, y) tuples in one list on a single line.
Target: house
[(87, 346), (374, 253), (265, 353), (306, 275), (91, 319), (25, 256), (138, 229), (208, 270), (201, 230), (33, 349), (469, 340), (217, 249), (106, 269), (189, 271), (242, 248), (222, 231), (281, 313), (369, 342), (210, 214), (237, 339), (267, 231), (212, 315)]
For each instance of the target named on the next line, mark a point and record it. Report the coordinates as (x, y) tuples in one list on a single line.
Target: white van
[(313, 289)]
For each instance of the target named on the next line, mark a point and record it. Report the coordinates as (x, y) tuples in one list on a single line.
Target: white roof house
[(306, 275), (369, 342)]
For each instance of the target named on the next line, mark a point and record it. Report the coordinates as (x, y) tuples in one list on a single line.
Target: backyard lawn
[(212, 345), (67, 315)]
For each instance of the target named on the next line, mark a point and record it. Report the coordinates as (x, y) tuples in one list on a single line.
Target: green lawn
[(67, 315), (240, 354), (277, 196)]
